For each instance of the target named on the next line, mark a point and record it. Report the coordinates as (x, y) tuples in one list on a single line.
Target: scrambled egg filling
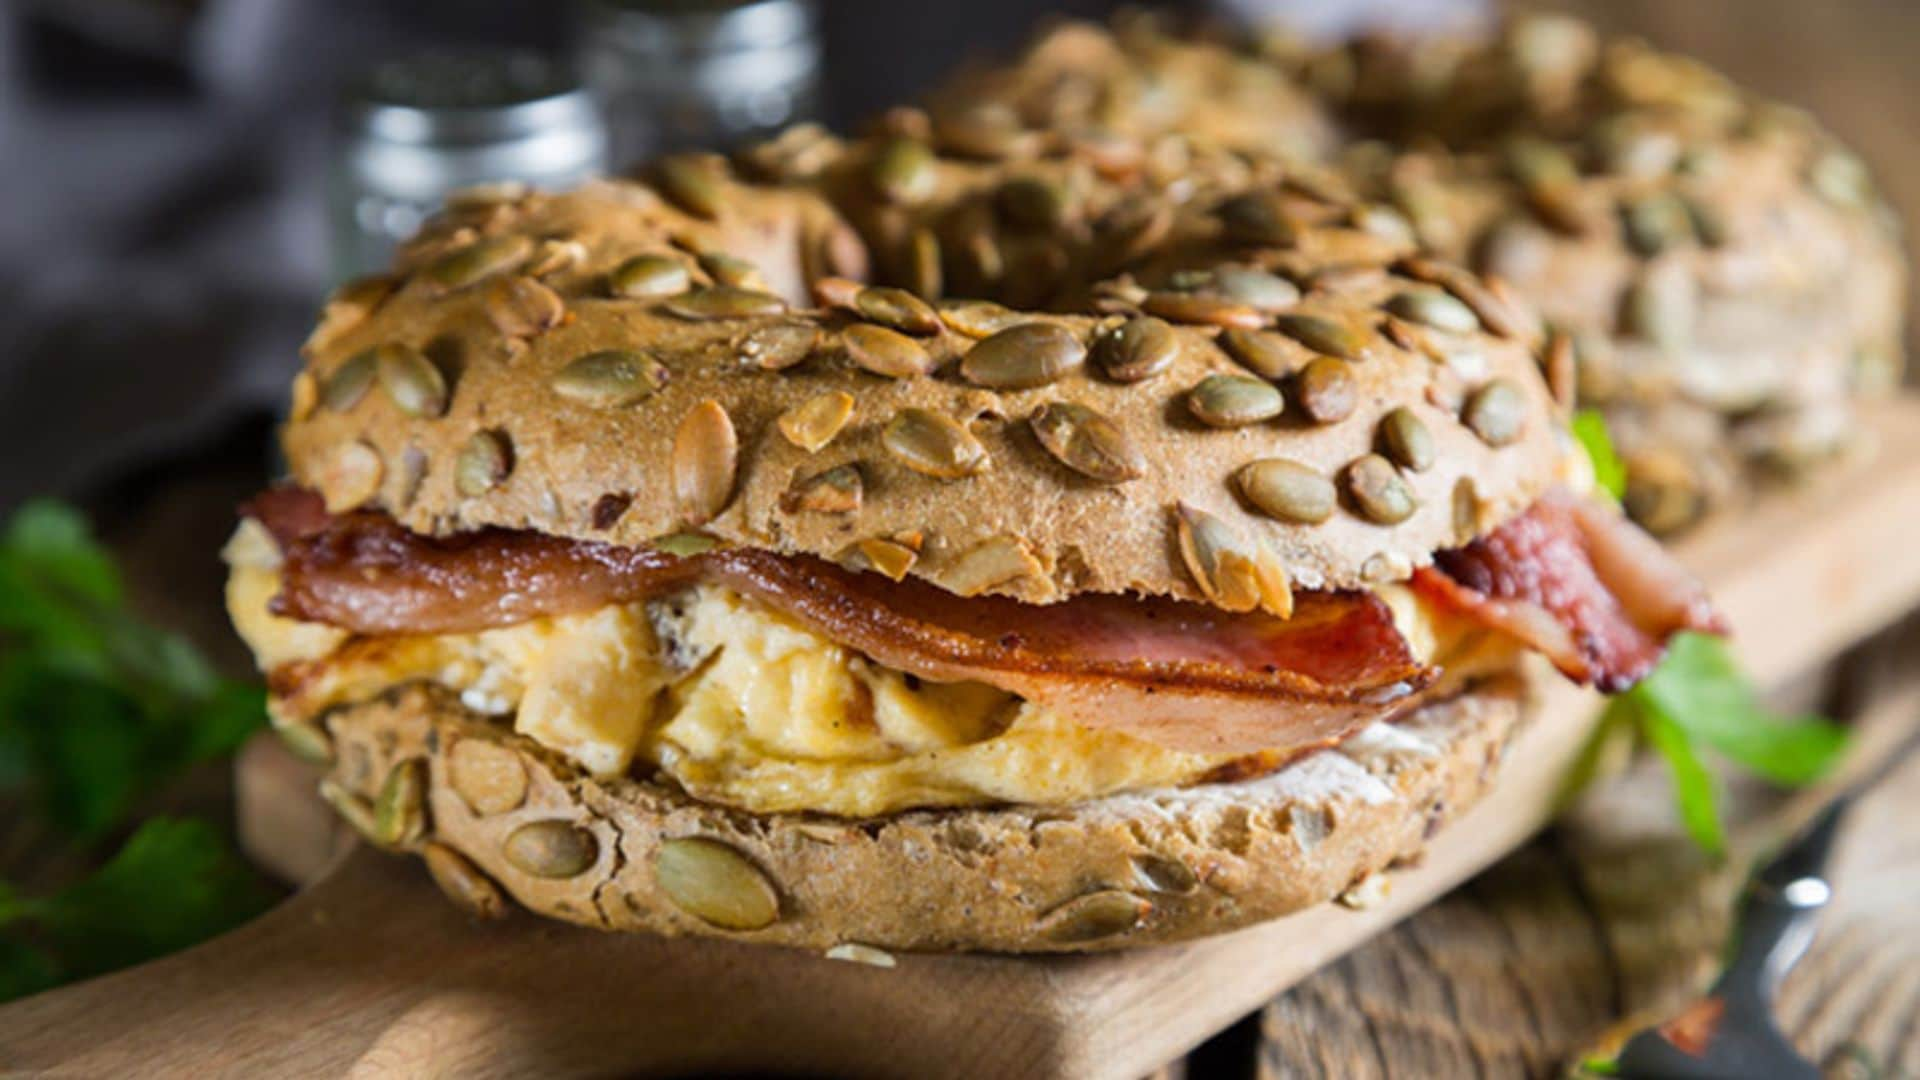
[(736, 702)]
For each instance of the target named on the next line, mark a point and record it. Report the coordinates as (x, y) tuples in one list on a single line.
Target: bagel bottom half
[(498, 812)]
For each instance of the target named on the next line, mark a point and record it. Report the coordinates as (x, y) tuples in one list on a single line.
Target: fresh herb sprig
[(1698, 700), (97, 711)]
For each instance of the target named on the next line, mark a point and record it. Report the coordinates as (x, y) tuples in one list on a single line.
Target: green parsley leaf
[(1695, 791), (1609, 472)]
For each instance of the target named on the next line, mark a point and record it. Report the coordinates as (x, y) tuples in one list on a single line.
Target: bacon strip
[(1579, 583), (1181, 674)]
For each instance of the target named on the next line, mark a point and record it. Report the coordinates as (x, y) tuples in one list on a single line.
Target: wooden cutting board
[(369, 972)]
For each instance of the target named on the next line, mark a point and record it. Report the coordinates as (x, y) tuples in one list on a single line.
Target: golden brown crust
[(511, 449), (1124, 871)]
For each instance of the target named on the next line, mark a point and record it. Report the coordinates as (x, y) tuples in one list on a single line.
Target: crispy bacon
[(1182, 674), (1579, 583)]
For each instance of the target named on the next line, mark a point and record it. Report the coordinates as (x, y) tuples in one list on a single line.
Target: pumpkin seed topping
[(353, 809), (351, 477), (1199, 308), (886, 352), (1232, 573), (1095, 915), (1431, 307), (484, 463), (838, 490), (1326, 334), (1164, 874), (978, 318), (732, 271), (520, 307), (1378, 492), (1023, 357), (463, 883), (725, 302), (1256, 288), (694, 183), (988, 564), (898, 309), (645, 277), (488, 777), (904, 171), (1032, 203), (1227, 401), (1265, 353), (1086, 441), (411, 381), (1287, 490), (1137, 349), (551, 849), (935, 445), (778, 346), (1497, 412), (1256, 219), (308, 741), (478, 261), (349, 382), (715, 884), (1325, 390), (1404, 438), (706, 456), (400, 812), (887, 557), (813, 423), (610, 378)]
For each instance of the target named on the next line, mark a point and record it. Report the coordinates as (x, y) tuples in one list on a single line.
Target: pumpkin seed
[(1841, 178), (522, 307), (990, 131), (478, 261), (484, 463), (924, 275), (904, 171), (1232, 574), (553, 255), (1431, 307), (1095, 915), (463, 883), (610, 378), (1405, 440), (347, 307), (1709, 224), (1498, 314), (1137, 349), (855, 952), (1327, 334), (1032, 204), (1325, 390), (1256, 288), (348, 383), (706, 457), (1656, 222), (1378, 492), (551, 849), (1023, 357), (411, 381), (356, 811), (883, 556), (686, 544), (1661, 306), (725, 302), (1557, 362), (988, 564), (1186, 307), (886, 352), (1536, 163), (778, 346), (303, 396), (898, 309), (693, 183), (308, 741), (1384, 222), (488, 777), (930, 443), (645, 277), (1265, 353), (978, 318), (838, 490), (1664, 493), (732, 271), (715, 884), (1256, 219), (1287, 490), (400, 813), (813, 423), (1163, 874), (1467, 508), (1227, 401), (485, 196), (351, 477), (1497, 412), (1086, 441)]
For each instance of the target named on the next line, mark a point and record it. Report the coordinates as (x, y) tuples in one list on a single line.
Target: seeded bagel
[(496, 815), (518, 370)]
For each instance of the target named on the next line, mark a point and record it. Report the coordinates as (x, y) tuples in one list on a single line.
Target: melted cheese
[(743, 706)]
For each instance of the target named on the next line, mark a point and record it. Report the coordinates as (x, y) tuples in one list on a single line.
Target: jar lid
[(682, 27)]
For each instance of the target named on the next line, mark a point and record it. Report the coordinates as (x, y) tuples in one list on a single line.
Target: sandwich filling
[(779, 683)]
